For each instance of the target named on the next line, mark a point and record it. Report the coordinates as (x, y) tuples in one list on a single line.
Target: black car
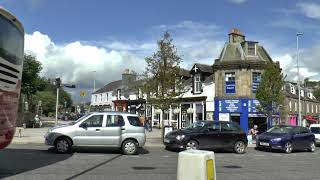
[(287, 138), (208, 135)]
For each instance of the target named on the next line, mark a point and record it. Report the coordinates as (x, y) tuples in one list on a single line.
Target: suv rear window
[(315, 130), (135, 121)]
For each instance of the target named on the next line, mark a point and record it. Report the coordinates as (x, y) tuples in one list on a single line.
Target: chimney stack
[(236, 36)]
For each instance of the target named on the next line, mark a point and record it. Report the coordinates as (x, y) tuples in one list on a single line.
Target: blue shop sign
[(230, 87), (230, 105), (253, 105)]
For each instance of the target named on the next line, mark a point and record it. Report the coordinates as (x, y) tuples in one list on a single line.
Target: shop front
[(242, 111)]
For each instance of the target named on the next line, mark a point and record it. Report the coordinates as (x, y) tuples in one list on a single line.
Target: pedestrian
[(253, 132)]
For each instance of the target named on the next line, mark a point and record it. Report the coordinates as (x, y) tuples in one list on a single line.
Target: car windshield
[(81, 118), (280, 130), (315, 130), (196, 125)]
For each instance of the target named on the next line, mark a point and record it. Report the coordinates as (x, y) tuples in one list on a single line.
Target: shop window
[(230, 82), (197, 83)]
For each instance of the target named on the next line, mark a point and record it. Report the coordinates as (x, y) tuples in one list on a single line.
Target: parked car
[(208, 135), (315, 129), (287, 138), (108, 129)]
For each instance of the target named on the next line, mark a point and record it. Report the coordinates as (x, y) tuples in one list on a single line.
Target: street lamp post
[(298, 72), (94, 81)]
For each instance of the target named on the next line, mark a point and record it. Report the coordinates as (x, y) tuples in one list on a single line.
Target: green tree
[(162, 82), (30, 78), (48, 101), (270, 93)]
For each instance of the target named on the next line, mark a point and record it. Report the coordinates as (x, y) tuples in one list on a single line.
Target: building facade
[(310, 107), (237, 74)]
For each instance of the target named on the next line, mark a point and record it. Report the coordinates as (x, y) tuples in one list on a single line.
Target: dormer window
[(252, 49), (292, 89), (197, 83)]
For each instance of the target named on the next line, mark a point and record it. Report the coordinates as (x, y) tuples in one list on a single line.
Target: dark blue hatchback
[(287, 138)]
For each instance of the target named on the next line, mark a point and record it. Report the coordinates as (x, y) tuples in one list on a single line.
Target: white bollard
[(196, 165)]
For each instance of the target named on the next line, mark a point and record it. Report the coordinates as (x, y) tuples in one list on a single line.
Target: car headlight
[(180, 137), (276, 139)]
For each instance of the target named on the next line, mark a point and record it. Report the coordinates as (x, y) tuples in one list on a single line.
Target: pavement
[(36, 135)]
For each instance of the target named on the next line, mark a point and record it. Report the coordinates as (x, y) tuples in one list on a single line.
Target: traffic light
[(58, 82)]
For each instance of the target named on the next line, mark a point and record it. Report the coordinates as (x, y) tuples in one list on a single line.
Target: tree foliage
[(162, 82), (37, 88), (30, 77), (270, 93)]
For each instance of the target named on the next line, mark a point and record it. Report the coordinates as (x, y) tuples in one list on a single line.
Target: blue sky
[(73, 38)]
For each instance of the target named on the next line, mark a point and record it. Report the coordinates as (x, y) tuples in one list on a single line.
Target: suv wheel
[(192, 144), (312, 146), (63, 145), (239, 147), (129, 147), (288, 147)]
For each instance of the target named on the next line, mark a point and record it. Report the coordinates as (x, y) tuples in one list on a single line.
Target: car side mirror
[(84, 125)]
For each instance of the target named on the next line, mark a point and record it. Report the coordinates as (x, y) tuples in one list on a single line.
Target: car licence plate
[(264, 144), (166, 140)]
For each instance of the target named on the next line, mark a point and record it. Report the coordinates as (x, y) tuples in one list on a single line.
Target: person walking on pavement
[(253, 132)]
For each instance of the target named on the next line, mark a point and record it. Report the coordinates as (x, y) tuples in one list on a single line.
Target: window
[(94, 121), (316, 108), (11, 42), (311, 108), (230, 79), (256, 79), (214, 127), (304, 130), (148, 111), (295, 106), (290, 106), (115, 121), (229, 127), (119, 93), (135, 121), (197, 83), (292, 89), (307, 108), (251, 49), (315, 130), (107, 96)]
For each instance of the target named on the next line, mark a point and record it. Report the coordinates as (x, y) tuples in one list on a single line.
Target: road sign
[(83, 93)]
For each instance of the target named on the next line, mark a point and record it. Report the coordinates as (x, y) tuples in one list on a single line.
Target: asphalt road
[(39, 162)]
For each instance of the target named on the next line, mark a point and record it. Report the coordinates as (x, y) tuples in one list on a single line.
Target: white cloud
[(311, 10), (75, 62), (237, 1)]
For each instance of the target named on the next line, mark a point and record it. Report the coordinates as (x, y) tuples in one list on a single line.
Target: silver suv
[(108, 129)]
